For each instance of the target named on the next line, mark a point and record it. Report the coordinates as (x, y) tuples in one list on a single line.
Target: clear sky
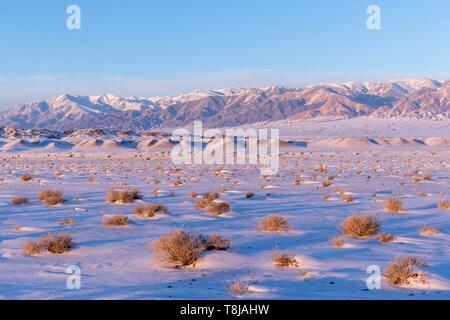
[(165, 47)]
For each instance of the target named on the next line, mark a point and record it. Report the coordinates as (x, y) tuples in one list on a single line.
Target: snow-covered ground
[(120, 263)]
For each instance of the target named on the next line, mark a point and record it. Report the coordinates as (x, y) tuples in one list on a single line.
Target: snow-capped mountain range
[(407, 98)]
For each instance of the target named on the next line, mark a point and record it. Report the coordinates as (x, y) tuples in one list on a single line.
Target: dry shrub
[(325, 197), (66, 222), (215, 242), (150, 210), (217, 208), (326, 184), (284, 259), (117, 220), (26, 178), (274, 223), (211, 196), (393, 205), (123, 196), (337, 190), (183, 248), (193, 194), (403, 269), (426, 176), (428, 231), (347, 199), (249, 195), (360, 226), (444, 205), (53, 243), (51, 197), (238, 288), (19, 200), (202, 203), (338, 242), (386, 237)]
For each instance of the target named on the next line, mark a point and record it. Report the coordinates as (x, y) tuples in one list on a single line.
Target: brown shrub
[(19, 200), (26, 178), (428, 231), (284, 259), (53, 243), (386, 237), (238, 288), (426, 176), (66, 222), (360, 226), (193, 194), (325, 197), (347, 199), (338, 242), (202, 203), (217, 208), (117, 220), (326, 184), (211, 196), (183, 248), (274, 223), (123, 196), (51, 197), (150, 210), (444, 205), (404, 268), (393, 205), (249, 195)]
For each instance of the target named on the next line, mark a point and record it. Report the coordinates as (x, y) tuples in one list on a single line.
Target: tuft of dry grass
[(218, 208), (274, 223), (338, 242), (326, 184), (428, 231), (249, 195), (123, 196), (325, 197), (183, 248), (150, 210), (211, 196), (426, 176), (19, 200), (202, 203), (26, 178), (403, 269), (238, 288), (284, 259), (53, 243), (386, 238), (117, 220), (193, 194), (347, 199), (51, 197), (393, 205), (444, 205), (67, 222), (360, 226)]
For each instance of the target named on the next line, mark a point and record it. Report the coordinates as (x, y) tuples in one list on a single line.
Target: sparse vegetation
[(386, 237), (238, 288), (347, 199), (53, 243), (66, 222), (249, 195), (338, 242), (123, 196), (150, 210), (393, 205), (26, 178), (428, 231), (444, 205), (274, 223), (426, 176), (360, 226), (183, 248), (403, 269), (19, 200), (51, 197), (117, 220), (218, 208), (284, 259)]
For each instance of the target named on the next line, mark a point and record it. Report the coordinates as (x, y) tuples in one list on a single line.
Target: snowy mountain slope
[(409, 98)]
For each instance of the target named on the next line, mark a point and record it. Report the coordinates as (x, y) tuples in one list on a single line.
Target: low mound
[(437, 142), (89, 143)]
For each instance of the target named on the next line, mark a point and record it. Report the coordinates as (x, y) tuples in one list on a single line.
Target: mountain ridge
[(404, 98)]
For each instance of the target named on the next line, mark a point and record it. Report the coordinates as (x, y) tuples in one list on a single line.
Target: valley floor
[(119, 263)]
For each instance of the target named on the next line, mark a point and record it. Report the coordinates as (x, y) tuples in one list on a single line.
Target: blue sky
[(146, 48)]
